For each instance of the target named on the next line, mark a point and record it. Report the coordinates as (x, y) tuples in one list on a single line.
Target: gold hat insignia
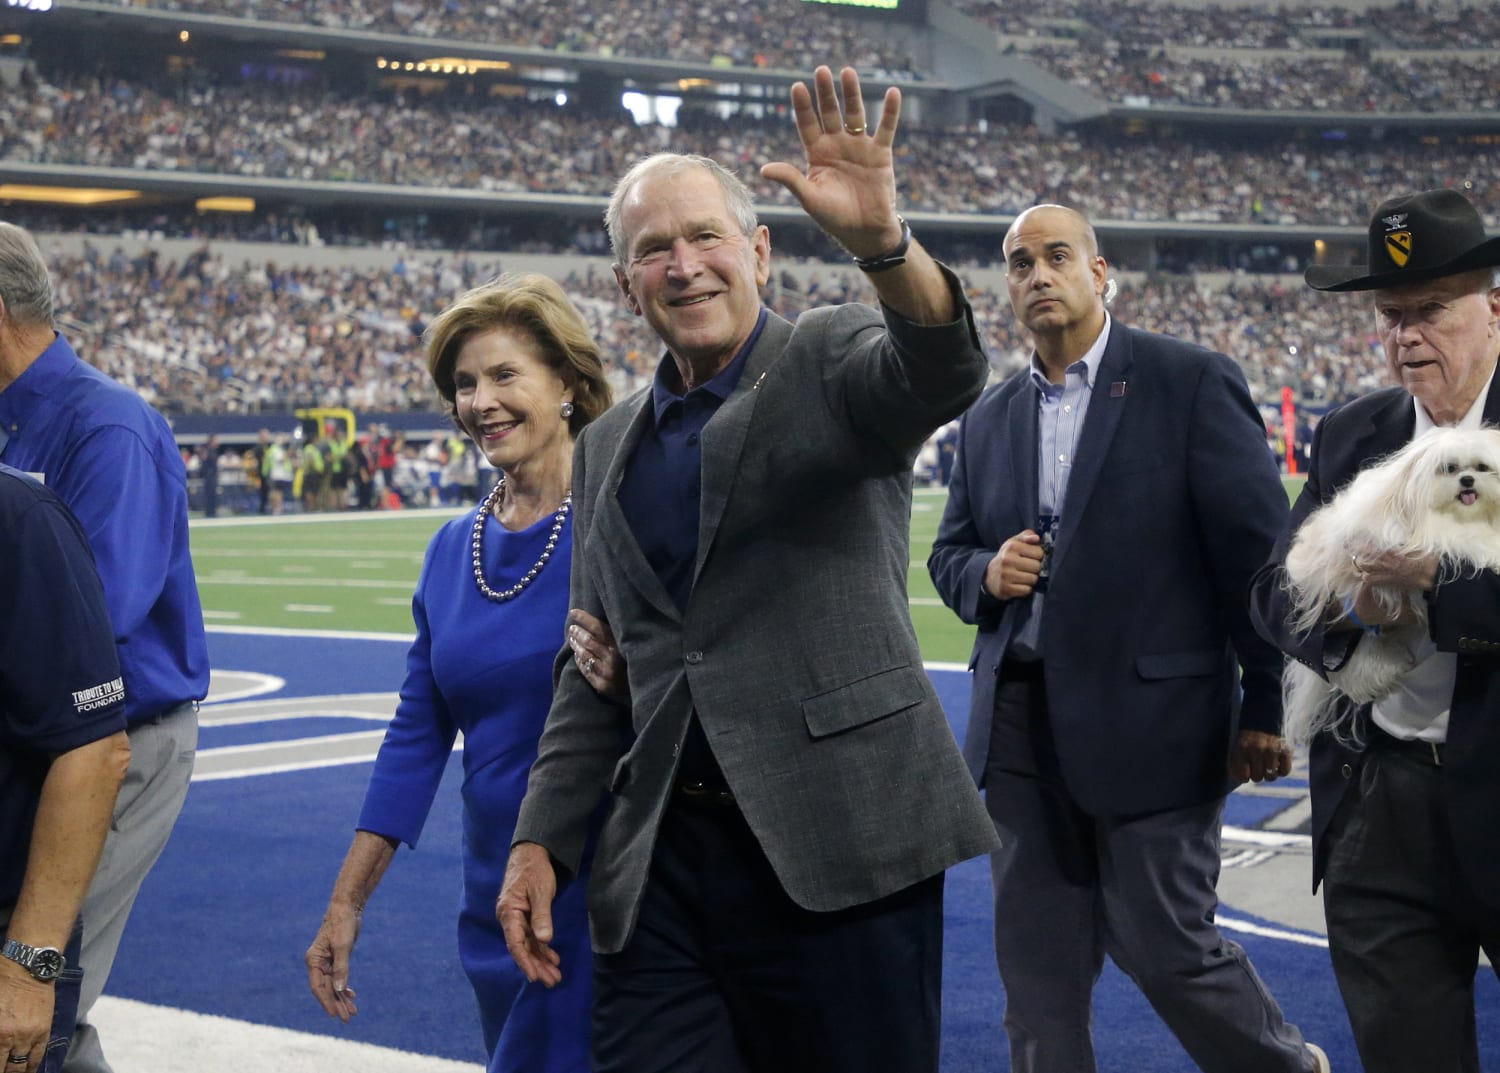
[(1398, 246)]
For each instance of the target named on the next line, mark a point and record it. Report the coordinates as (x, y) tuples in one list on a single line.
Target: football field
[(309, 623), (357, 572)]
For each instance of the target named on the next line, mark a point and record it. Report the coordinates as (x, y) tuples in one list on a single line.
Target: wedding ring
[(850, 128), (16, 1059)]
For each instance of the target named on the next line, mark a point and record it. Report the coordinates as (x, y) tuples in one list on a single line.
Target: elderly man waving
[(786, 793)]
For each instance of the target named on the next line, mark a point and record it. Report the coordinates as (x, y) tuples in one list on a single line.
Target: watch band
[(889, 260), (45, 963)]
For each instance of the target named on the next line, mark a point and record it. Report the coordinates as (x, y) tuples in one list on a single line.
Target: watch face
[(47, 964)]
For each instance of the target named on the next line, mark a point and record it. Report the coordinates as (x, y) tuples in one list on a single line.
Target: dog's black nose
[(1466, 481)]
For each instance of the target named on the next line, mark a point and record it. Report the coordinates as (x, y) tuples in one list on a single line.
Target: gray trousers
[(1070, 888), (1404, 925), (161, 765)]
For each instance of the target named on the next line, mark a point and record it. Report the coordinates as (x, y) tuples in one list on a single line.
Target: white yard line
[(158, 1039)]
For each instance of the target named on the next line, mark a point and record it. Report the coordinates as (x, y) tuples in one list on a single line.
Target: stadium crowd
[(744, 35), (1321, 81), (262, 131), (759, 35), (1411, 24), (215, 332)]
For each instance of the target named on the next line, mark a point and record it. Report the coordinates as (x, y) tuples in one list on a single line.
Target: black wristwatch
[(895, 257), (45, 963)]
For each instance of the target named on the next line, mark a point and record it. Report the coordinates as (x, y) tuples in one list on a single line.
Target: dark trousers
[(1405, 927), (725, 974), (1071, 887)]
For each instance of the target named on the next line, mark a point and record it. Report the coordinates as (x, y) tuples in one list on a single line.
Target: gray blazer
[(796, 648)]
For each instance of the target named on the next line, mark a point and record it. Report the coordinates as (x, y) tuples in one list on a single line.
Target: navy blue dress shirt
[(659, 495)]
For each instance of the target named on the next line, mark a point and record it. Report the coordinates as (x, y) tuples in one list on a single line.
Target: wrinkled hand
[(1391, 570), (25, 1018), (524, 910), (328, 962), (849, 188), (598, 659), (1259, 757), (1014, 570)]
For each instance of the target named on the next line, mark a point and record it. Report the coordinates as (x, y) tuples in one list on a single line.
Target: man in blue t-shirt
[(112, 460), (63, 755)]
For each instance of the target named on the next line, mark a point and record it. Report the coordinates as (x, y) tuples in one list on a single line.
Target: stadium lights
[(225, 204), (30, 5), (448, 65), (183, 36), (65, 195)]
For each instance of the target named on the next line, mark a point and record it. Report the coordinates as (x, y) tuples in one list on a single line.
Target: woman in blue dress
[(517, 366)]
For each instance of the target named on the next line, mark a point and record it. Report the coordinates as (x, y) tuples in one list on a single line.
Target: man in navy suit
[(1107, 510)]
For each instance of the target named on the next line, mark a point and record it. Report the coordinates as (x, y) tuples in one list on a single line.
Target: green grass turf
[(357, 572)]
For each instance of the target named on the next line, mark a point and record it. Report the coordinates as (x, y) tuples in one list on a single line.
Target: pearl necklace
[(477, 542)]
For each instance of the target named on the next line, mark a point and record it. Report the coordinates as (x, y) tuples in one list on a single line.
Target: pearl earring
[(567, 409)]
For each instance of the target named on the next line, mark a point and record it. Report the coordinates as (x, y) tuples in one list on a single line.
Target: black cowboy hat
[(1413, 239)]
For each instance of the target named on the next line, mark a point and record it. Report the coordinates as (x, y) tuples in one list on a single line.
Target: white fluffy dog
[(1439, 495)]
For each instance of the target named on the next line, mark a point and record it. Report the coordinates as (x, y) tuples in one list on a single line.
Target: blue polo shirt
[(60, 685), (659, 496), (112, 459)]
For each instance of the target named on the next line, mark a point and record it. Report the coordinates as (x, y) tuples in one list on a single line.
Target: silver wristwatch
[(43, 962)]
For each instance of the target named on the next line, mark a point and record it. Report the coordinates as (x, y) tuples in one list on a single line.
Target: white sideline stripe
[(345, 517), (1274, 839), (310, 609), (251, 718), (303, 582), (282, 745), (282, 769), (252, 684), (297, 765), (332, 635), (159, 1039), (1272, 933), (261, 551), (229, 616)]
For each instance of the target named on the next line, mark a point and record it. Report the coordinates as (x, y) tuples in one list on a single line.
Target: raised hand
[(849, 187)]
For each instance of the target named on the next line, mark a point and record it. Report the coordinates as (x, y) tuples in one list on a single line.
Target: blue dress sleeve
[(419, 740)]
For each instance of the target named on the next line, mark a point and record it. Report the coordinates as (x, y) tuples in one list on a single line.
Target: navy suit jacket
[(1173, 503), (1464, 615)]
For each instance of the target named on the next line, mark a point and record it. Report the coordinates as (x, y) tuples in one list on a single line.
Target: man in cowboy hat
[(1405, 837)]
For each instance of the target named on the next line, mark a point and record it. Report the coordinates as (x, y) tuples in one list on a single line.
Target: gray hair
[(25, 286), (736, 194)]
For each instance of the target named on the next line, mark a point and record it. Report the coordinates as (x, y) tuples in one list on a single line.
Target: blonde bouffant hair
[(534, 304)]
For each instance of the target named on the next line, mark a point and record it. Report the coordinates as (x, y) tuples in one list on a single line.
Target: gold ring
[(850, 128)]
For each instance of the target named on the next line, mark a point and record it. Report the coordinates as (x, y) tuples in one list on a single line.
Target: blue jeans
[(65, 1005)]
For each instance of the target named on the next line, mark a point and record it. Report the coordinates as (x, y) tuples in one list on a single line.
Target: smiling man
[(1107, 509), (785, 793), (1404, 834)]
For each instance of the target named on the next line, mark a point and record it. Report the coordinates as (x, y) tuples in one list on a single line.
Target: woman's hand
[(598, 659), (328, 962)]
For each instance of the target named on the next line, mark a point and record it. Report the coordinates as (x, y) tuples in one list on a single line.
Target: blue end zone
[(224, 919)]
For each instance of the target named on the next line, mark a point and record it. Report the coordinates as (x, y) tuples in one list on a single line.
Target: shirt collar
[(1472, 419), (1088, 365), (41, 376), (721, 386)]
